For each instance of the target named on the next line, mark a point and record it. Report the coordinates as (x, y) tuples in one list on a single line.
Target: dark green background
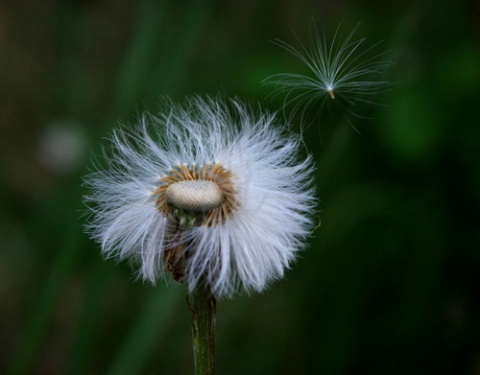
[(389, 282)]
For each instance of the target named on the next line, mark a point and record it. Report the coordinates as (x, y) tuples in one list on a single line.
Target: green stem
[(203, 306)]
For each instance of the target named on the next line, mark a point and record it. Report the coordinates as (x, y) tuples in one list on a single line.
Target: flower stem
[(203, 306)]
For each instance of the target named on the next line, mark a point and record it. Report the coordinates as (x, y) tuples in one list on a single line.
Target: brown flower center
[(192, 196), (197, 195)]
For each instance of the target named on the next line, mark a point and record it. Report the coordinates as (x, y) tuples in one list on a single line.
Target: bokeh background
[(389, 283)]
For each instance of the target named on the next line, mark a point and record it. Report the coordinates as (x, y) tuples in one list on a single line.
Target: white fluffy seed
[(196, 195)]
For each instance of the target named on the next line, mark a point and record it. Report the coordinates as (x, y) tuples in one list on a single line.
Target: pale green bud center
[(194, 195)]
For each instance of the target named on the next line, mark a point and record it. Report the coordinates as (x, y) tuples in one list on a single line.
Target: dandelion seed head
[(209, 191)]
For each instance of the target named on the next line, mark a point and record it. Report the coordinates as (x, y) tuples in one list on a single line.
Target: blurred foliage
[(389, 284)]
